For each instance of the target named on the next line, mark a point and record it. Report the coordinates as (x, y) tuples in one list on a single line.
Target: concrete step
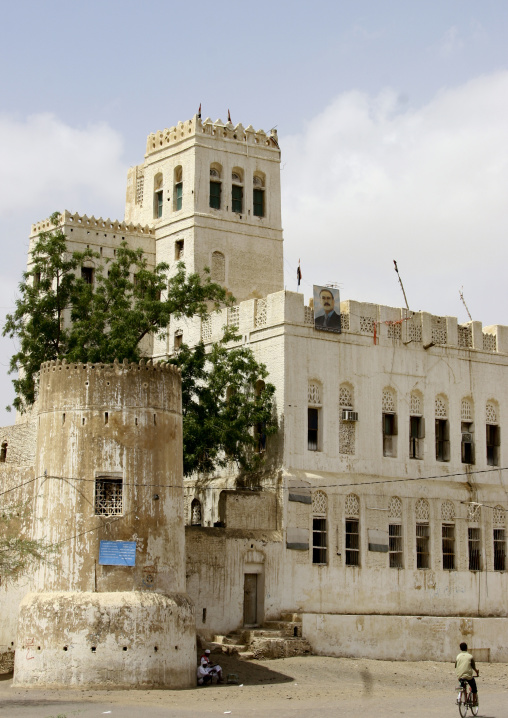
[(287, 628), (246, 655), (263, 633), (291, 617), (279, 647)]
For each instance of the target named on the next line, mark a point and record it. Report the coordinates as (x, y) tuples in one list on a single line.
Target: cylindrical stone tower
[(110, 606)]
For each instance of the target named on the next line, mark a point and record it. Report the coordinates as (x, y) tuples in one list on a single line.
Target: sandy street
[(309, 686)]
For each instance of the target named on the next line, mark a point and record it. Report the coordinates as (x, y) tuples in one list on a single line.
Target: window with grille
[(319, 540), (442, 440), (352, 542), (499, 550), (473, 541), (395, 545), (416, 436), (259, 202), (312, 429), (389, 434), (237, 198), (422, 546), (215, 193), (108, 496), (448, 543), (493, 444)]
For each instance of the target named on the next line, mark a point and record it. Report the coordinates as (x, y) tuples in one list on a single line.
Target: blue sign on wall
[(117, 553)]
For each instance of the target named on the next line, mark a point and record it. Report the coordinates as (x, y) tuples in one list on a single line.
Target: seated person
[(208, 669)]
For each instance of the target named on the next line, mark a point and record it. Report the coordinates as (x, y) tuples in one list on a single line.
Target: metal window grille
[(499, 550), (318, 540), (422, 546), (448, 543), (473, 540), (395, 545), (108, 497), (352, 542)]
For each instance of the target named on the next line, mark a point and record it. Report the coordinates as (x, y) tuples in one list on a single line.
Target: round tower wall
[(109, 468)]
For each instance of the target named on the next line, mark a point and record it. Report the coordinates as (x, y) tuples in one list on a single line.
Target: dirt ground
[(309, 686)]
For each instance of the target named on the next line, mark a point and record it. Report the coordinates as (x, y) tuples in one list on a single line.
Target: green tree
[(18, 553), (60, 315), (227, 407)]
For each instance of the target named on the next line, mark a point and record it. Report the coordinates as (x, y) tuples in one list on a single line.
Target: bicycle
[(465, 699)]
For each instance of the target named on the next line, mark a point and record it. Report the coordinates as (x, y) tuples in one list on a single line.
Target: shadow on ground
[(250, 673)]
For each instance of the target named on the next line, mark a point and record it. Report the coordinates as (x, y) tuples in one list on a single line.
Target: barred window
[(108, 496), (499, 549), (473, 540), (395, 545), (422, 546), (448, 542), (319, 539), (352, 542)]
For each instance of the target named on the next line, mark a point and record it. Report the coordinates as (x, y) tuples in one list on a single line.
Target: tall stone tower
[(212, 191), (110, 607)]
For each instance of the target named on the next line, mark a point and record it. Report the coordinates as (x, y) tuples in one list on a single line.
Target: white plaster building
[(381, 508)]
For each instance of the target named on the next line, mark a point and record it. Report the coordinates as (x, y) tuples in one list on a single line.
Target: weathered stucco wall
[(406, 638)]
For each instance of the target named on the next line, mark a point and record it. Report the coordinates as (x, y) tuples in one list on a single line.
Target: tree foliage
[(227, 407), (17, 553)]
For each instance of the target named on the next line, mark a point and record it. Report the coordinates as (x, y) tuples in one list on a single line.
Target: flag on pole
[(298, 273)]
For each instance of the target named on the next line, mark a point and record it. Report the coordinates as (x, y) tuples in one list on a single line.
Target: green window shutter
[(237, 198), (259, 203), (215, 192), (179, 195)]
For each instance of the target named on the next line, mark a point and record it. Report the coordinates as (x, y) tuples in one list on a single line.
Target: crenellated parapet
[(82, 220), (219, 129)]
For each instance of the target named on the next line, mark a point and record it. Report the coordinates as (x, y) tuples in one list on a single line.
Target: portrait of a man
[(326, 309)]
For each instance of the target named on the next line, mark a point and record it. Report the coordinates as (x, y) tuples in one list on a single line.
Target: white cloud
[(48, 164), (451, 42), (370, 181)]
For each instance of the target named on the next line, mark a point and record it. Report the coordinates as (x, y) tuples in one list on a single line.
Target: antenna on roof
[(461, 295), (402, 286)]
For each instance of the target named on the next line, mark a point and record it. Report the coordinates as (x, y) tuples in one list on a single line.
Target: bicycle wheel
[(462, 705), (476, 708)]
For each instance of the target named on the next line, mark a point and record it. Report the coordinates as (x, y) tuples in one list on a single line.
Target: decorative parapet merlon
[(82, 220), (227, 131), (116, 366)]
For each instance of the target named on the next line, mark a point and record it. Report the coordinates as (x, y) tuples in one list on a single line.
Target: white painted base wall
[(406, 638)]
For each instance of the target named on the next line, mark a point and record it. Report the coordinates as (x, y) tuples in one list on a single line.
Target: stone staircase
[(274, 639)]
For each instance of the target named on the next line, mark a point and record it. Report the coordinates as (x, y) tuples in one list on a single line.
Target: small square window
[(108, 496), (87, 274)]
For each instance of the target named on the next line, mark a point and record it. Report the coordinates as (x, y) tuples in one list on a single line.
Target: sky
[(392, 119)]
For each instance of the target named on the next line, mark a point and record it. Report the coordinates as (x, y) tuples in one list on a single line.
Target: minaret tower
[(212, 191)]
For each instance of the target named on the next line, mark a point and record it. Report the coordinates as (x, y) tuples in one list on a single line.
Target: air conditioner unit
[(348, 415), (467, 438)]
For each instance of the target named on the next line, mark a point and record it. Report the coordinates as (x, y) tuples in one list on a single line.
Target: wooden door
[(250, 599)]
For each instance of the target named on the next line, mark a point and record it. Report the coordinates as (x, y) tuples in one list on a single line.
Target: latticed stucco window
[(467, 431), (352, 537), (319, 528), (314, 438), (108, 496), (448, 535), (395, 545), (473, 536)]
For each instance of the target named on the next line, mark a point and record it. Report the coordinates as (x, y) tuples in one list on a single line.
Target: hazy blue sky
[(392, 119)]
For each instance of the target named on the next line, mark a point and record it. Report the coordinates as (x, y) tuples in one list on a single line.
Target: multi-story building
[(380, 511)]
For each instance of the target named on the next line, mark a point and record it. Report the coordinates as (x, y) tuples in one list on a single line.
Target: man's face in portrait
[(327, 301)]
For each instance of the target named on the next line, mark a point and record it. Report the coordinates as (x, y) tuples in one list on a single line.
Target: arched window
[(493, 431), (395, 546), (237, 190), (215, 185), (442, 429), (467, 431), (352, 542), (158, 195), (416, 426), (178, 188), (422, 513), (218, 271), (195, 512), (499, 520), (258, 194), (3, 452), (347, 420), (319, 534), (448, 535), (390, 429), (314, 438)]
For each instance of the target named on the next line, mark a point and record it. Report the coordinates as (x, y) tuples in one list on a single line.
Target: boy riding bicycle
[(464, 667)]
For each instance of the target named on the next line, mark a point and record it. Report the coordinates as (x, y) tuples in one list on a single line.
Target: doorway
[(250, 599)]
